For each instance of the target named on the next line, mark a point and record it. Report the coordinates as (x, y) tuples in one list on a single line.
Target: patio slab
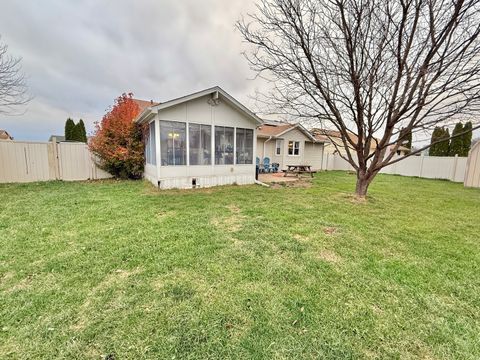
[(276, 177)]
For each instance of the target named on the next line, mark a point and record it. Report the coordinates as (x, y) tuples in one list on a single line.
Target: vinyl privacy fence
[(40, 161), (431, 167)]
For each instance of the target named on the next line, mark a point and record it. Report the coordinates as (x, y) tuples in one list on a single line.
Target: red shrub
[(118, 141)]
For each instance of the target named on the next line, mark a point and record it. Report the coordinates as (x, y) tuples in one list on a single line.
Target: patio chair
[(275, 167), (266, 164)]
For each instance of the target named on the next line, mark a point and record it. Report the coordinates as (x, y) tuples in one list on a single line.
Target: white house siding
[(314, 155), (310, 154), (150, 173), (199, 111)]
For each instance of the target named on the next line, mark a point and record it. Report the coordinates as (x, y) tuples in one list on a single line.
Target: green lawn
[(120, 270)]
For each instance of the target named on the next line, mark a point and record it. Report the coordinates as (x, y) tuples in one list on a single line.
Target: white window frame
[(278, 147), (293, 148)]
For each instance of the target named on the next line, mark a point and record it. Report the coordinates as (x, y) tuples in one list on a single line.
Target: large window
[(223, 145), (294, 148), (173, 143), (150, 149), (278, 146), (200, 142), (244, 146)]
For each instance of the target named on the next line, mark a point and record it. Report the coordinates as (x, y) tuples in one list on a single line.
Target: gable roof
[(335, 134), (267, 130), (4, 135), (143, 104), (276, 130), (216, 90)]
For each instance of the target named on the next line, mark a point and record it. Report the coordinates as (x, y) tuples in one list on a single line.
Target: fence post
[(56, 160), (422, 156)]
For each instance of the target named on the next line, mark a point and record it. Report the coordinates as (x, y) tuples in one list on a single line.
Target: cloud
[(79, 56)]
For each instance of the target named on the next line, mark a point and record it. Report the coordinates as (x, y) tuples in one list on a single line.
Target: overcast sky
[(80, 55)]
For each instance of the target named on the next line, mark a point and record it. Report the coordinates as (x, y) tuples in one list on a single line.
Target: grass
[(118, 270)]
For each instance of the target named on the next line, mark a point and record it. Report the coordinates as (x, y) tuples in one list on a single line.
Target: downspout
[(270, 138)]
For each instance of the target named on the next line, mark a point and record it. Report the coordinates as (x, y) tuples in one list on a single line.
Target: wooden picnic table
[(298, 169)]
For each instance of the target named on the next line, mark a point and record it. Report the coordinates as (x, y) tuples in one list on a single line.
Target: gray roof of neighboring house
[(59, 138)]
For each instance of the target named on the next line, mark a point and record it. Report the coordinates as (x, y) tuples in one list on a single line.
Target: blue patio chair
[(275, 167), (266, 164)]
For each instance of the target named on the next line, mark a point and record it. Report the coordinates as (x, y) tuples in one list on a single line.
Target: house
[(401, 150), (336, 144), (58, 138), (289, 144), (199, 140), (4, 135)]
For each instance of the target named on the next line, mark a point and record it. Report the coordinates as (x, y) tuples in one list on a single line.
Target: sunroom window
[(173, 143), (244, 146), (200, 142), (150, 149), (224, 145)]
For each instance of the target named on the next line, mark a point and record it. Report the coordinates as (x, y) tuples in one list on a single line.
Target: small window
[(278, 147), (294, 148)]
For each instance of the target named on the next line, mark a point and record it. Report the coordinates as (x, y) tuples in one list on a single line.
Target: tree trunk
[(363, 183)]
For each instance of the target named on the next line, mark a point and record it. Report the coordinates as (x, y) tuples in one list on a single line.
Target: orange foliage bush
[(118, 141)]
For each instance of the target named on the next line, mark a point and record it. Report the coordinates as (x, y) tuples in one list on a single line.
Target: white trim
[(302, 129), (278, 146), (293, 148)]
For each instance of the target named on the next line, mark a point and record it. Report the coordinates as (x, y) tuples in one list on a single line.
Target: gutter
[(270, 138)]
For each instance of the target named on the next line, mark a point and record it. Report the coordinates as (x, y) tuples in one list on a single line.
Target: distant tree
[(69, 129), (439, 147), (80, 134), (118, 141), (436, 134), (445, 144), (13, 87), (467, 139), (456, 145)]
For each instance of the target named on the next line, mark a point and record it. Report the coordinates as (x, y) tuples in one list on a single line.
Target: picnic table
[(299, 169)]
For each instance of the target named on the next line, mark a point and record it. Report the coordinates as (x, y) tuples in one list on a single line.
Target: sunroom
[(200, 140)]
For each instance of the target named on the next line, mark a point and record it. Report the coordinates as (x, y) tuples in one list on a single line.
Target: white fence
[(37, 161), (432, 167)]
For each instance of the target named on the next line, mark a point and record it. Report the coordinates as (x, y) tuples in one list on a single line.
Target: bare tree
[(368, 68), (13, 87)]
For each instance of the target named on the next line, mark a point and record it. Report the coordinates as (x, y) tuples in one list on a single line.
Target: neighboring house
[(4, 135), (289, 144), (199, 140), (58, 138), (335, 137), (401, 151)]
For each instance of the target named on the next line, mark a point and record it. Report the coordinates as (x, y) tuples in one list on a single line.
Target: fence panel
[(432, 167), (75, 161), (472, 168), (36, 161), (24, 161)]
